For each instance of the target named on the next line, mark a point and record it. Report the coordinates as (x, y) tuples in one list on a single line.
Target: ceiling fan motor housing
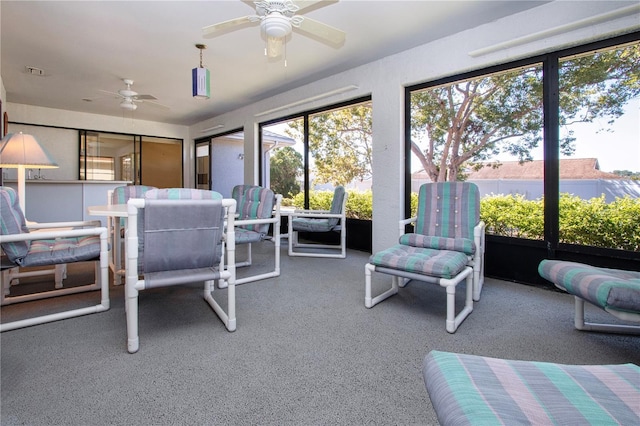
[(276, 25)]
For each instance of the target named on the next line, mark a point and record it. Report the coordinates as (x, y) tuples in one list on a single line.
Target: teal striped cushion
[(438, 263), (475, 390), (254, 202), (464, 245), (612, 289), (62, 250), (13, 222), (122, 194), (448, 209)]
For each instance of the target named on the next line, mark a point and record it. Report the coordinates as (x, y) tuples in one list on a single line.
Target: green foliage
[(285, 166), (585, 222)]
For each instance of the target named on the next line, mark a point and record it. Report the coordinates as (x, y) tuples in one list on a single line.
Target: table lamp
[(20, 151)]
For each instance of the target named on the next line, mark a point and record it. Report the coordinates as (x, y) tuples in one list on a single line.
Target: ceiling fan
[(277, 19), (130, 98)]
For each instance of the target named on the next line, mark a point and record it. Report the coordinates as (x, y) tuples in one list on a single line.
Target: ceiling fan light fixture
[(128, 104), (274, 46), (276, 25)]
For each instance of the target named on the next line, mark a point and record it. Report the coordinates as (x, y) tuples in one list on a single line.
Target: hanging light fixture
[(276, 28), (200, 78)]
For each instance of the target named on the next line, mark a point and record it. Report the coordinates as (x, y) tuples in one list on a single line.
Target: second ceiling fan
[(278, 19)]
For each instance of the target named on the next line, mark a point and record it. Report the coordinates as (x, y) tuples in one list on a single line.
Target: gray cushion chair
[(258, 208), (320, 221), (120, 195), (615, 291), (446, 247), (177, 236), (53, 244), (476, 390)]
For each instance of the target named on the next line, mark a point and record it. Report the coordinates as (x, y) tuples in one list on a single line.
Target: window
[(552, 142), (305, 157)]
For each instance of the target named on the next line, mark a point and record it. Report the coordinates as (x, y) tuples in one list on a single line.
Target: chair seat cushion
[(475, 390), (464, 245), (61, 250), (245, 236), (311, 225), (437, 263), (610, 289)]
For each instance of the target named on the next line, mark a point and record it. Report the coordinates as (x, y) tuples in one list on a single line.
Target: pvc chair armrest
[(50, 225), (317, 214), (240, 222), (53, 234)]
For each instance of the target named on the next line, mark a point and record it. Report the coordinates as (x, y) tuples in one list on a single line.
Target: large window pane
[(600, 149), (487, 130)]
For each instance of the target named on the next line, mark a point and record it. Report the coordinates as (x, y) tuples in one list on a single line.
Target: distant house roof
[(570, 168)]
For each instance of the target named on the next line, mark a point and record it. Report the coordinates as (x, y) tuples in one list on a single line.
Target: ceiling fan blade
[(307, 5), (321, 31), (118, 95), (154, 103), (146, 97), (222, 27)]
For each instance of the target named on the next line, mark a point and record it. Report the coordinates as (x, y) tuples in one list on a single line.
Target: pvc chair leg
[(369, 301), (131, 310), (453, 320)]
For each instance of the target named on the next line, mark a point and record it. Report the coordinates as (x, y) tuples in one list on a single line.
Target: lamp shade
[(201, 83), (18, 149)]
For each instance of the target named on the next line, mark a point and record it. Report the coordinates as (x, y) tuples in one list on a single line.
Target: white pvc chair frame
[(115, 240), (275, 220), (320, 214), (102, 270), (581, 324), (133, 284), (473, 273)]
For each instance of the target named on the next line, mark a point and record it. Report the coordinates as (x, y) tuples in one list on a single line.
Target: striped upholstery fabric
[(464, 245), (303, 224), (437, 263), (122, 194), (253, 202), (475, 390), (449, 210), (13, 222), (40, 252), (610, 289)]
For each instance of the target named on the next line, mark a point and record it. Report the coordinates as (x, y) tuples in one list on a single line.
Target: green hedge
[(586, 222)]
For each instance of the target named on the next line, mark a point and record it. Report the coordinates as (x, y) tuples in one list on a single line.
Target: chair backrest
[(13, 222), (122, 194), (179, 228), (448, 209), (338, 204), (254, 202)]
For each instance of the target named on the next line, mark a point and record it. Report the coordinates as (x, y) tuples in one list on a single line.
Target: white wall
[(549, 27)]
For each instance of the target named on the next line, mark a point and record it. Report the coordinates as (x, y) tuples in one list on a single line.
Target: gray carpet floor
[(306, 350)]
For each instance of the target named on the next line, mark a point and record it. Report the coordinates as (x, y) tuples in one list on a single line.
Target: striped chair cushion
[(336, 204), (62, 250), (448, 209), (475, 390), (122, 194), (437, 263), (611, 289), (253, 202), (304, 224), (464, 245), (13, 222)]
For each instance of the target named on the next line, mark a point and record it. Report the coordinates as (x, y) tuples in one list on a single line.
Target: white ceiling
[(84, 46)]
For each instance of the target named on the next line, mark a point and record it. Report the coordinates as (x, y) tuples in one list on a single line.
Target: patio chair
[(54, 244), (176, 236), (477, 390), (444, 248), (614, 290), (320, 221), (257, 208), (120, 195)]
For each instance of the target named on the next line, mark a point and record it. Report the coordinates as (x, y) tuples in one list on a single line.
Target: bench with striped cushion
[(476, 390)]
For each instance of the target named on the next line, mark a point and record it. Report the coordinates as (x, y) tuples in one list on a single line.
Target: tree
[(285, 167), (339, 143), (468, 122)]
